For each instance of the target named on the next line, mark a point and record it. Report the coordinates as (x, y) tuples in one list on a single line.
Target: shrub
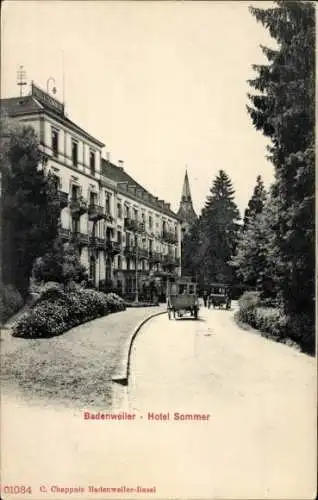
[(51, 291), (46, 319), (247, 307), (58, 311), (10, 302), (115, 303), (272, 321), (301, 329)]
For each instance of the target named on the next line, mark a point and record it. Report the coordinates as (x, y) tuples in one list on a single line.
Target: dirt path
[(259, 441)]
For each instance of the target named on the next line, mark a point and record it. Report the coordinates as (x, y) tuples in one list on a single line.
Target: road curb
[(121, 374)]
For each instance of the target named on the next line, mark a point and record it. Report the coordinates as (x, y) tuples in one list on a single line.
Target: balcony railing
[(80, 239), (143, 253), (169, 237), (97, 242), (109, 218), (95, 212), (113, 247), (155, 257), (64, 234), (134, 225), (78, 206), (130, 251), (170, 261), (63, 198)]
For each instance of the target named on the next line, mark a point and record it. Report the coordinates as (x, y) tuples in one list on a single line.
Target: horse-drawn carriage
[(219, 296), (182, 298)]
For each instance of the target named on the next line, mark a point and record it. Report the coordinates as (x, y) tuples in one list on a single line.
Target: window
[(119, 211), (92, 269), (135, 214), (94, 231), (74, 153), (150, 222), (93, 198), (55, 142), (127, 212), (56, 181), (107, 203), (92, 162), (119, 237), (75, 225), (119, 262), (75, 192)]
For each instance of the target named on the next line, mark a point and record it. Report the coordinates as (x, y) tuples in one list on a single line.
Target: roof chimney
[(121, 164), (108, 156)]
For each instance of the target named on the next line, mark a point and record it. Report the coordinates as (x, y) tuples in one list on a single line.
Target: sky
[(162, 84)]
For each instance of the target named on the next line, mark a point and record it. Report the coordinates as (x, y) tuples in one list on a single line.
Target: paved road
[(259, 441)]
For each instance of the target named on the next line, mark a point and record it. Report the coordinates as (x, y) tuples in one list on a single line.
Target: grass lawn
[(74, 368)]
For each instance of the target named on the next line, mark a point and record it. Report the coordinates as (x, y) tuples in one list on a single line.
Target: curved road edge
[(121, 373)]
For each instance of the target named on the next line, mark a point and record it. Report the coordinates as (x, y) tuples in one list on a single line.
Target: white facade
[(115, 226)]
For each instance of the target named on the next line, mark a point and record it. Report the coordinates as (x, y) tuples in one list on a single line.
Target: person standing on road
[(205, 297)]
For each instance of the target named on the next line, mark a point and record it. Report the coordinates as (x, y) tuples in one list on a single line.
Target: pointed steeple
[(186, 193), (186, 211)]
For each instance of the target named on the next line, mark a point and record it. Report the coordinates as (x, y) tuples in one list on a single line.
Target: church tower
[(186, 211)]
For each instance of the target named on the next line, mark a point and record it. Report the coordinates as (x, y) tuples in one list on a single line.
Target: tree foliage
[(256, 203), (30, 208), (62, 264), (283, 108), (210, 245)]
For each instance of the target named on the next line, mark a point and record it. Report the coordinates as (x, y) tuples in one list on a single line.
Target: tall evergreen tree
[(30, 207), (284, 110), (256, 203), (220, 217)]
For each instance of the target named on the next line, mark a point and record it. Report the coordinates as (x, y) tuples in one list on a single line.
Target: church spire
[(186, 193), (186, 211)]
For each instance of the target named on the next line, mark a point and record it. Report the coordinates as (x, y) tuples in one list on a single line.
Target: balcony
[(79, 239), (130, 251), (170, 261), (97, 242), (109, 218), (63, 199), (78, 207), (113, 247), (143, 253), (64, 234), (169, 237), (134, 225), (95, 212), (155, 257)]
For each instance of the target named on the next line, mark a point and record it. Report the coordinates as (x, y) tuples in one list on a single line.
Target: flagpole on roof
[(63, 78)]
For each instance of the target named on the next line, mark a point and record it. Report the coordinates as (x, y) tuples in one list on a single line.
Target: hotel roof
[(124, 181), (40, 102)]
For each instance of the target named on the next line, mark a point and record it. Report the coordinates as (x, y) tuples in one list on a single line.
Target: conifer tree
[(30, 208), (220, 217), (256, 203), (284, 110)]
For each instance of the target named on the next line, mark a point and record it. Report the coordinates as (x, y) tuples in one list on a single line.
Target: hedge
[(273, 323), (52, 316)]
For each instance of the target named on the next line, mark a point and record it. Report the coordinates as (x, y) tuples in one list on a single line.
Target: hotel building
[(123, 233)]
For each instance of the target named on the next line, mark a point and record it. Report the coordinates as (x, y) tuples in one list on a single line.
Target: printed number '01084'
[(16, 489)]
